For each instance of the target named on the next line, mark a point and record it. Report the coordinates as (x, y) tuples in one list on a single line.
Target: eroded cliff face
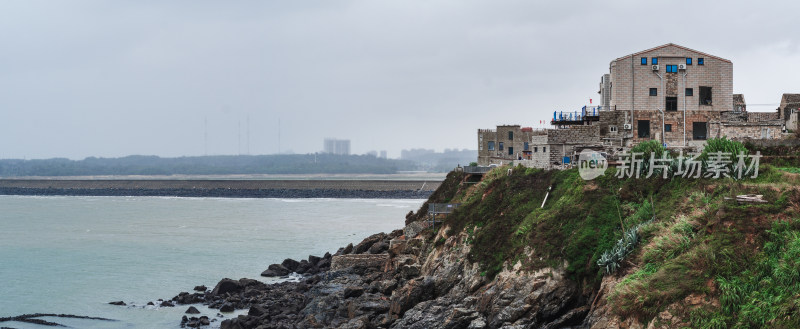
[(463, 297)]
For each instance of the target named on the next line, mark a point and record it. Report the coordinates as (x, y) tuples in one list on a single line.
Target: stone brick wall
[(675, 118), (762, 116), (743, 131), (575, 135), (631, 81), (365, 260)]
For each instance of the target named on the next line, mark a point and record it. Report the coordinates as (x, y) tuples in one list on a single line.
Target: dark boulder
[(167, 303), (313, 259), (303, 267), (227, 286), (324, 264), (192, 310), (379, 247), (118, 303), (227, 307), (364, 245), (276, 270), (200, 288), (348, 249), (290, 264)]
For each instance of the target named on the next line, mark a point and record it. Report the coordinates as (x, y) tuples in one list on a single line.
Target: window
[(672, 68), (705, 96), (511, 135), (668, 128), (501, 146), (688, 61), (491, 146), (699, 130), (653, 91), (510, 150), (689, 92), (644, 128), (544, 148), (644, 60), (672, 104), (612, 129), (654, 60), (700, 61), (526, 147), (536, 149)]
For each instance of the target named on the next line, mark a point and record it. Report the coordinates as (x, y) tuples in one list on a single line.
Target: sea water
[(73, 255)]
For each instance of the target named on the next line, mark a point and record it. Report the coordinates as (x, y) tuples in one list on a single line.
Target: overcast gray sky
[(114, 78)]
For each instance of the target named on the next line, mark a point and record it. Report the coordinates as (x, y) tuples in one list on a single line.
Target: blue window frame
[(501, 146), (654, 60), (672, 68), (700, 61), (526, 146), (491, 145), (668, 128), (653, 92), (644, 60), (688, 61)]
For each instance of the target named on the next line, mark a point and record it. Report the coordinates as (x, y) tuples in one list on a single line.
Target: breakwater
[(378, 189)]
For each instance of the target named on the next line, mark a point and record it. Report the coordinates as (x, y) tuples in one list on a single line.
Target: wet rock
[(226, 308), (303, 267), (200, 288), (118, 303), (167, 303), (276, 270), (290, 264), (192, 310), (226, 286), (313, 259)]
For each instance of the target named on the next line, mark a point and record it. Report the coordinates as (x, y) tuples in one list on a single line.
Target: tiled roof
[(790, 99)]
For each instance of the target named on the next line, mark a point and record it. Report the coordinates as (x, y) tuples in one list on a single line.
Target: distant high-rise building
[(337, 146), (383, 154)]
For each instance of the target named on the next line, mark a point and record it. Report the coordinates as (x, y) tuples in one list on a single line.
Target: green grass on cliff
[(741, 261)]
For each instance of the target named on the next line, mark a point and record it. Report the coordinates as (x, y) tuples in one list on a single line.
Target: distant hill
[(207, 165)]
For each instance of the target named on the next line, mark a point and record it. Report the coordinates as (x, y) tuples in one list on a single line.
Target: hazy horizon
[(188, 78)]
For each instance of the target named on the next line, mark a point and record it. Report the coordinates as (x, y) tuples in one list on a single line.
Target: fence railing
[(442, 208), (476, 169)]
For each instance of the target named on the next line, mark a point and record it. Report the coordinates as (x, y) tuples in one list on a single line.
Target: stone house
[(789, 107), (670, 93)]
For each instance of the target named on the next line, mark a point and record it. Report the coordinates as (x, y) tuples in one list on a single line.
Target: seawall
[(393, 189)]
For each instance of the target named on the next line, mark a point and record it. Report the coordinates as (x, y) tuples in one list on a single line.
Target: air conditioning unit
[(627, 126), (681, 66), (655, 67)]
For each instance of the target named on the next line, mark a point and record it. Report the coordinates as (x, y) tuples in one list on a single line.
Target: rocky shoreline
[(395, 280)]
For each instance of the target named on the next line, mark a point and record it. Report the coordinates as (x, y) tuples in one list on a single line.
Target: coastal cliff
[(697, 258)]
